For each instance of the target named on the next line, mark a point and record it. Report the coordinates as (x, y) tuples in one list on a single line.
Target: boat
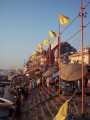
[(5, 103), (5, 106)]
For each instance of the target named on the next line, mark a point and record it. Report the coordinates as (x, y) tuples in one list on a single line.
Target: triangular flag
[(63, 20), (39, 47), (52, 33), (63, 112), (45, 42)]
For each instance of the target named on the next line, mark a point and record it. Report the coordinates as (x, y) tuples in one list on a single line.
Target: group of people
[(39, 83), (35, 83), (49, 83), (21, 96)]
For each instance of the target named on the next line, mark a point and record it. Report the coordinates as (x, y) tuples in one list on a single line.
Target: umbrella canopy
[(47, 73), (71, 72), (50, 71)]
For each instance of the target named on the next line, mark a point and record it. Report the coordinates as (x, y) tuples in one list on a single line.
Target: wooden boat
[(5, 106), (5, 103)]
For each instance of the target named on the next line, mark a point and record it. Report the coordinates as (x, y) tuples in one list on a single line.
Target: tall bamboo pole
[(49, 64), (59, 59), (82, 68)]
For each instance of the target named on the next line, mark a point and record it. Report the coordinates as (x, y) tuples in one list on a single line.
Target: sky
[(24, 23)]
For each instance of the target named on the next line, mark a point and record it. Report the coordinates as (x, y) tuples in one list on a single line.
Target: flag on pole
[(63, 20), (39, 47), (34, 53), (45, 42), (63, 112), (52, 34), (33, 56)]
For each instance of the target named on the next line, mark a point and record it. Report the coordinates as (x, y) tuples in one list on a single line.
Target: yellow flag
[(33, 57), (45, 42), (63, 20), (52, 33), (62, 113), (39, 47), (34, 53)]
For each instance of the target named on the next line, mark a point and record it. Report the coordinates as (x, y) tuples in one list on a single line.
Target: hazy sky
[(24, 23)]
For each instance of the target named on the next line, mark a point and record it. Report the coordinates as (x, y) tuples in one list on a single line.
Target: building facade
[(77, 57)]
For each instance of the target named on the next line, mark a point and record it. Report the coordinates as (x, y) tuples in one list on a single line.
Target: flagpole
[(49, 64), (82, 57), (63, 20), (59, 60)]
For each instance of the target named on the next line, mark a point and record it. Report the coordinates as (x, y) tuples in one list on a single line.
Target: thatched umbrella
[(50, 71), (47, 73), (71, 72)]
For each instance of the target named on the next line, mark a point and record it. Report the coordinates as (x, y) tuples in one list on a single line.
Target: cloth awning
[(72, 72)]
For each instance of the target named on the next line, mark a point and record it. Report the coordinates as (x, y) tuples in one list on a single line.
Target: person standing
[(1, 91)]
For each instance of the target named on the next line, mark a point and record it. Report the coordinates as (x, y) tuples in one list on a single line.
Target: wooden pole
[(82, 68), (59, 60), (49, 65)]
